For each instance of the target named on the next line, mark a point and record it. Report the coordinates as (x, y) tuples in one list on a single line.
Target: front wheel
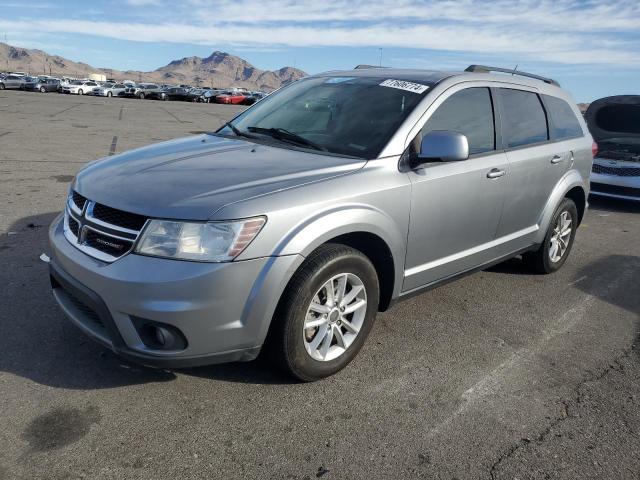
[(326, 313), (80, 92), (141, 96), (557, 242), (1, 86), (109, 94), (43, 90)]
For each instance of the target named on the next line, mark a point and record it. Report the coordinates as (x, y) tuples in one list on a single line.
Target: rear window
[(524, 121), (469, 112), (619, 118), (564, 123)]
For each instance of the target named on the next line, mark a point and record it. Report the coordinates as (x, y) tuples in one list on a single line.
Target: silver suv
[(289, 228)]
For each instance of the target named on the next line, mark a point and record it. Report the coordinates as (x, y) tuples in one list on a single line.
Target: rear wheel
[(326, 313), (557, 242)]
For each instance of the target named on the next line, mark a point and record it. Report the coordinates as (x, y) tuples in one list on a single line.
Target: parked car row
[(44, 83)]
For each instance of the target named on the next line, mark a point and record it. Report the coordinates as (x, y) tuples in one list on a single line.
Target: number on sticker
[(403, 85)]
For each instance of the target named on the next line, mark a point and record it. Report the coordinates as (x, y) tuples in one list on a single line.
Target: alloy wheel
[(560, 237), (334, 317)]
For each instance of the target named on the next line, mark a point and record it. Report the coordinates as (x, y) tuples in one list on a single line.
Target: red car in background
[(234, 98)]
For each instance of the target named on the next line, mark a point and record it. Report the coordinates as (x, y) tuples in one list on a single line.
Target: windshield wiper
[(237, 131), (286, 135)]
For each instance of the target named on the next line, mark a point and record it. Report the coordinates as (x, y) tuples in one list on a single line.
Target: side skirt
[(456, 276)]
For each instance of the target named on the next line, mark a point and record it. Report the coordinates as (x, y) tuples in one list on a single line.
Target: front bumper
[(223, 310), (621, 180)]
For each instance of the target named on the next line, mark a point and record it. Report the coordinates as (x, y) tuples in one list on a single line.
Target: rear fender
[(570, 180)]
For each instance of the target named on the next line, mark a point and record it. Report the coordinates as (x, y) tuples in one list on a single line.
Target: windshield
[(354, 116), (76, 83)]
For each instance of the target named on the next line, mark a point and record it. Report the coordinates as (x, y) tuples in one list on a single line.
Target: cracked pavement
[(501, 375)]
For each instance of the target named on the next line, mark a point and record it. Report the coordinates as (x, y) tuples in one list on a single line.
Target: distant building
[(97, 77)]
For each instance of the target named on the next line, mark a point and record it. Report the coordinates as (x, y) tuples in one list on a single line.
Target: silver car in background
[(12, 81), (110, 90), (614, 123), (289, 228)]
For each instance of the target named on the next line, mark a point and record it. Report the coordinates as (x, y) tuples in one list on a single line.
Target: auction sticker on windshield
[(402, 85)]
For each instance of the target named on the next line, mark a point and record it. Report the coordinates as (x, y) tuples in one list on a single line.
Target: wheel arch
[(572, 186), (366, 229), (579, 197), (363, 227)]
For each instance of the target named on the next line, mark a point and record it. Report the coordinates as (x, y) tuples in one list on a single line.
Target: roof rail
[(485, 69), (363, 66)]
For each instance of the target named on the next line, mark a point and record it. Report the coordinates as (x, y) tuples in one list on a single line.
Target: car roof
[(432, 77)]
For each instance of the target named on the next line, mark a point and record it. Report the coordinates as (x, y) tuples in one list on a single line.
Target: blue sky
[(591, 47)]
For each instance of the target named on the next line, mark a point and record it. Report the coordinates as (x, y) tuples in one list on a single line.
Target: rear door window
[(564, 123), (469, 112), (524, 120)]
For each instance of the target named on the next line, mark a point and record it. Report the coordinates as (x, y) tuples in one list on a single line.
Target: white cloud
[(143, 3), (561, 31)]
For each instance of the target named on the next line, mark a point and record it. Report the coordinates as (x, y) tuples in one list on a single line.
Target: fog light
[(159, 336), (164, 337)]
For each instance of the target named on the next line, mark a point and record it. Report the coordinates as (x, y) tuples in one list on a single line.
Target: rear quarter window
[(564, 123), (525, 121)]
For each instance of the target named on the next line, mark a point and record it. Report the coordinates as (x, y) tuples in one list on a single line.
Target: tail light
[(594, 149)]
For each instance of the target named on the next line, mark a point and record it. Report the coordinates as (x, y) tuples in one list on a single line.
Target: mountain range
[(219, 69)]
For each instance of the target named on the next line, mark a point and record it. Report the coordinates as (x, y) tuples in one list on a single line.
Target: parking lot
[(504, 374)]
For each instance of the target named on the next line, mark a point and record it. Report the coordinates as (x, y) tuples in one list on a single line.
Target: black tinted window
[(470, 113), (564, 123), (524, 120)]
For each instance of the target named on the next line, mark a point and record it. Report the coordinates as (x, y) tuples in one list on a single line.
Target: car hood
[(614, 117), (193, 177)]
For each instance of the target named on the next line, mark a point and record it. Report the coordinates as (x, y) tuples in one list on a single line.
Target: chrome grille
[(127, 220), (78, 200), (617, 171), (100, 231)]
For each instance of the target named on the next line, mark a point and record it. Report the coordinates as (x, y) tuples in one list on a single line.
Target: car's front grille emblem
[(100, 231)]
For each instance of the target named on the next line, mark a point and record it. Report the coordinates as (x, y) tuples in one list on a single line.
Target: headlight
[(205, 242)]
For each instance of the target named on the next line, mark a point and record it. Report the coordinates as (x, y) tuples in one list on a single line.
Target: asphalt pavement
[(504, 374)]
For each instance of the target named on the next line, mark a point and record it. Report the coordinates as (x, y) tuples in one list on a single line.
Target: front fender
[(324, 225), (570, 180), (307, 235)]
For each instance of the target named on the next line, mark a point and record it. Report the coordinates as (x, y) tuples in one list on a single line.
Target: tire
[(80, 92), (141, 96), (542, 260), (292, 346), (43, 90), (109, 94), (1, 86)]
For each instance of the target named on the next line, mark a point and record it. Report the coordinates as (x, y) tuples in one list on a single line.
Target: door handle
[(496, 173), (557, 159)]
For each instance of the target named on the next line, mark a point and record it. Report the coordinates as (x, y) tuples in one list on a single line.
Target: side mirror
[(442, 146)]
